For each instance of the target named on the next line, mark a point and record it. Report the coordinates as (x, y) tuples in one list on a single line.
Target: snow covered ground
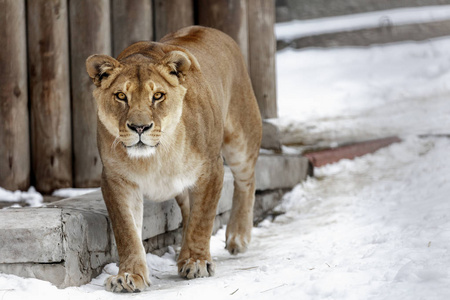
[(336, 95), (377, 227)]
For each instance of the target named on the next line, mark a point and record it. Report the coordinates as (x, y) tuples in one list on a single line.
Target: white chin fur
[(137, 152)]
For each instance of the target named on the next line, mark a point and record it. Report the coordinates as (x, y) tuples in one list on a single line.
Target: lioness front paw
[(125, 283), (191, 268)]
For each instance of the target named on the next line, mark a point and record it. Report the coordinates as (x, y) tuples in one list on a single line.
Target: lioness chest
[(163, 180)]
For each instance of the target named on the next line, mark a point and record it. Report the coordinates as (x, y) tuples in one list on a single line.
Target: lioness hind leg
[(241, 154)]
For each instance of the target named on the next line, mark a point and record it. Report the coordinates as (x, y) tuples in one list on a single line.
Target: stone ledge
[(37, 229), (72, 240), (280, 171), (271, 138)]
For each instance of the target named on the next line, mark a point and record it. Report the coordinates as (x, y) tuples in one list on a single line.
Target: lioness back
[(221, 62)]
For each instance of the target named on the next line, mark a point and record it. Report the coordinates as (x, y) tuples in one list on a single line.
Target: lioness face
[(139, 101)]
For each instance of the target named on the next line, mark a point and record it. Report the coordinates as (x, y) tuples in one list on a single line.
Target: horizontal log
[(328, 156), (306, 9), (366, 37)]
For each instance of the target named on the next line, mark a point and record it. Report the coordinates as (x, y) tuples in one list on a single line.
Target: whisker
[(115, 143), (165, 144)]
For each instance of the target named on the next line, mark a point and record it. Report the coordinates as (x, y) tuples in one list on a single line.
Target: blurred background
[(357, 70)]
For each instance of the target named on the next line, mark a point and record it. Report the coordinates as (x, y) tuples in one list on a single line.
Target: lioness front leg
[(195, 257), (125, 208)]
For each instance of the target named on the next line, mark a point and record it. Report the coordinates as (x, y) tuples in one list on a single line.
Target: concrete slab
[(22, 230), (280, 171), (72, 239)]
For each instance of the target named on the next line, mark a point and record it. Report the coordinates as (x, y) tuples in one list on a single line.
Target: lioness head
[(139, 98)]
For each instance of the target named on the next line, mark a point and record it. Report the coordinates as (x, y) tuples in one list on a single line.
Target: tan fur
[(208, 110)]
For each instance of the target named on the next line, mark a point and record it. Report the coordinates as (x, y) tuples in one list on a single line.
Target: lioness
[(167, 113)]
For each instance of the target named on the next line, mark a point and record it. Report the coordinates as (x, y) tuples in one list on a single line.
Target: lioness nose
[(139, 128)]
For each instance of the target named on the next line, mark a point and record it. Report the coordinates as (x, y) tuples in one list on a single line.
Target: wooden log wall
[(126, 32), (58, 97), (172, 15), (14, 122), (229, 16), (48, 61), (261, 17), (90, 33)]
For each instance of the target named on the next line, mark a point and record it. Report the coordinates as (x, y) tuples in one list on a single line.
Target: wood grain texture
[(132, 21), (48, 64), (171, 15), (262, 50), (229, 16), (90, 33), (14, 121)]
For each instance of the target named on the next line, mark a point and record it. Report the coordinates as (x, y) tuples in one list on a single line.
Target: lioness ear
[(100, 67), (178, 62)]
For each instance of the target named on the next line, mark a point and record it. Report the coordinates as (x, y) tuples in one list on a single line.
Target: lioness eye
[(121, 96), (158, 96)]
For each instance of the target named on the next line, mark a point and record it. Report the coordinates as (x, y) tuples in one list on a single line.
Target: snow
[(73, 192), (381, 220), (339, 95), (402, 16), (376, 227), (31, 197)]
